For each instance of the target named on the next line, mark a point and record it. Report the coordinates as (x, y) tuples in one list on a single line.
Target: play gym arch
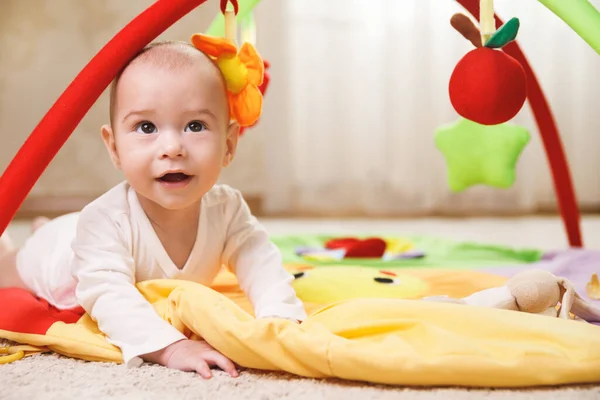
[(60, 121)]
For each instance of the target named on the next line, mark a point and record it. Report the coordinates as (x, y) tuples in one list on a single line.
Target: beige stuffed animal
[(536, 292)]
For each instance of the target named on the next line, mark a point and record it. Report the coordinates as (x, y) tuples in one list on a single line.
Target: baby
[(170, 134)]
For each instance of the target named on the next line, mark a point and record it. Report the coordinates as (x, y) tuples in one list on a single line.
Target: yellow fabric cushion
[(394, 341), (389, 341)]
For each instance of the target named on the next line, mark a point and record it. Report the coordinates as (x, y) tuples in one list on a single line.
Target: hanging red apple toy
[(487, 85)]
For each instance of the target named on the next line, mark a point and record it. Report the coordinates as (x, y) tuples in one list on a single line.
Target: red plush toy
[(357, 248), (487, 85)]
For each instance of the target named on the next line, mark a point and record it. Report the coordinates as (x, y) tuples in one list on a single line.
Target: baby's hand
[(192, 355)]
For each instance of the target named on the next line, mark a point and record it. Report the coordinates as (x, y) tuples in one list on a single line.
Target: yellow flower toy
[(243, 71)]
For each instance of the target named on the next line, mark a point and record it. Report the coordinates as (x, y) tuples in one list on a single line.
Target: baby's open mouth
[(174, 177)]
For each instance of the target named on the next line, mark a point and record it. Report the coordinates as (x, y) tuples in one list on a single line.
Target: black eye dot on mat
[(383, 280), (299, 275)]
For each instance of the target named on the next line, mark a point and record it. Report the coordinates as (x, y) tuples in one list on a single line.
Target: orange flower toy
[(243, 71)]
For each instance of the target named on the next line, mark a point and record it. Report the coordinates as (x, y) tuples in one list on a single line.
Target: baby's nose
[(172, 146)]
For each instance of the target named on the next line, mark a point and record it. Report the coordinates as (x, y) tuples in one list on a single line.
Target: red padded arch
[(61, 120), (561, 175)]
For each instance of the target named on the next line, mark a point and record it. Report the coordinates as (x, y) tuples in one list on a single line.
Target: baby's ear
[(233, 134), (109, 141)]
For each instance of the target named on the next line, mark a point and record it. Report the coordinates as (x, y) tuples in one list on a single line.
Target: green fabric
[(439, 253), (248, 29), (480, 154), (506, 33)]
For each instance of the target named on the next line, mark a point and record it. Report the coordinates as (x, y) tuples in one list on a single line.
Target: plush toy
[(359, 248), (592, 288), (263, 89), (325, 285), (248, 32), (535, 292), (352, 247), (328, 284), (487, 85), (243, 71), (487, 88), (481, 154)]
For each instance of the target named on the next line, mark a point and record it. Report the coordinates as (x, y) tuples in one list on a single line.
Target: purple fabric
[(404, 255), (340, 253)]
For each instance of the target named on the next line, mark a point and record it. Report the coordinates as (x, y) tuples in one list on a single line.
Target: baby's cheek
[(211, 164), (211, 152), (134, 169)]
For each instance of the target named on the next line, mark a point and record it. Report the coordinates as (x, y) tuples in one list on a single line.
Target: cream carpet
[(51, 377), (55, 377)]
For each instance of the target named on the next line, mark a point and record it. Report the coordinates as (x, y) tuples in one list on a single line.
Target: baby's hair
[(176, 54)]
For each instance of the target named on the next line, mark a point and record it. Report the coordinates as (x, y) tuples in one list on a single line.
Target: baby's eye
[(195, 126), (146, 127)]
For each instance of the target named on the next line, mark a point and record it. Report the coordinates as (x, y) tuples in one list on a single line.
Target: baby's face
[(171, 131)]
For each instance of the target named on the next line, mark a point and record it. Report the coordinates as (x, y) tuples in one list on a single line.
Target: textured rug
[(49, 377)]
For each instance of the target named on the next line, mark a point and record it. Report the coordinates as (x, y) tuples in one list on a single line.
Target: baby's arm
[(105, 270), (257, 263)]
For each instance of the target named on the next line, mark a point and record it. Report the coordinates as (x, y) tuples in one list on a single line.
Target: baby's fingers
[(203, 369), (218, 359)]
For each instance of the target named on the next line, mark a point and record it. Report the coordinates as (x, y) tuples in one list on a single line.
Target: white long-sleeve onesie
[(94, 258)]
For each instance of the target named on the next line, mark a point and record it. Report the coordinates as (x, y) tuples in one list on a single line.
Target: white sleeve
[(257, 263), (105, 271)]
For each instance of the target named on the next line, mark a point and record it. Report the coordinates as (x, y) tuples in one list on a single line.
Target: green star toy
[(481, 154)]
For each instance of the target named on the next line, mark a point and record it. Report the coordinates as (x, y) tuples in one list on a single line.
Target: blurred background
[(357, 90)]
